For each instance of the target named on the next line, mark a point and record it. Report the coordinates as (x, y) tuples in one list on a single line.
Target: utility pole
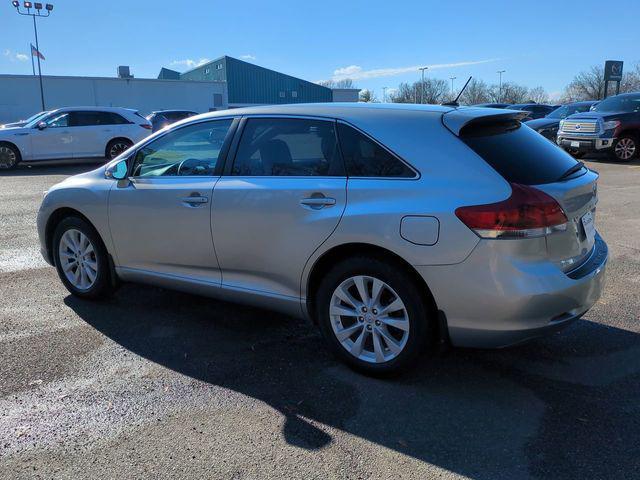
[(37, 6), (422, 69), (452, 79), (500, 72)]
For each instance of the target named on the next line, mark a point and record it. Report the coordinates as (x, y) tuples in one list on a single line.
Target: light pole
[(37, 6), (500, 72), (422, 69), (452, 79)]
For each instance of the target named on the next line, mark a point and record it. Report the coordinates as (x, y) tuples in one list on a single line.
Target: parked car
[(162, 118), (388, 228), (548, 126), (611, 126), (73, 132), (536, 110), (493, 105), (22, 123)]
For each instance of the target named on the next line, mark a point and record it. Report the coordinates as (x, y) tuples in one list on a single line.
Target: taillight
[(527, 213), (146, 125)]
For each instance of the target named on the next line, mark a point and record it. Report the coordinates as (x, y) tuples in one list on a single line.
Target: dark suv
[(536, 110), (548, 126), (612, 126), (162, 118)]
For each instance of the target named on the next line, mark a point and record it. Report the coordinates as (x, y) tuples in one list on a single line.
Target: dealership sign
[(613, 70)]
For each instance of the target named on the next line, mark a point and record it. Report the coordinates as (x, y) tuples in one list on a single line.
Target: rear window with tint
[(517, 152)]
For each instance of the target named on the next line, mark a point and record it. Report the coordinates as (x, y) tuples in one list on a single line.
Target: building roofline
[(7, 75)]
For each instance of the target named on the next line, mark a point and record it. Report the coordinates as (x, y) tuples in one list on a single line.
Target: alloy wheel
[(117, 148), (8, 157), (369, 319), (625, 148), (78, 259)]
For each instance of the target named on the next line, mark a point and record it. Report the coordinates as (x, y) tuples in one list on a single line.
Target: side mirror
[(117, 171), (41, 125)]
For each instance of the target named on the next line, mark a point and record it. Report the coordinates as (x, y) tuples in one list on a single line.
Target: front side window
[(58, 120), (619, 103), (284, 147), (193, 150), (364, 157)]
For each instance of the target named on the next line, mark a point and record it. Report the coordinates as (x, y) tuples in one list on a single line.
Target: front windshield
[(566, 110), (622, 103), (33, 120), (34, 117)]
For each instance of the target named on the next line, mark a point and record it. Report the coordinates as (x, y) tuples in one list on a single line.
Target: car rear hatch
[(531, 164)]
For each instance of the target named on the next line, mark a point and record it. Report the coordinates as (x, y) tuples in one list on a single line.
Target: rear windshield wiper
[(576, 168)]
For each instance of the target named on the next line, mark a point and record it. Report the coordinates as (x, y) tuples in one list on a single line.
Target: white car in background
[(73, 133)]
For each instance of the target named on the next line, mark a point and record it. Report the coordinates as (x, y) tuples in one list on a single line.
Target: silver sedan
[(393, 227)]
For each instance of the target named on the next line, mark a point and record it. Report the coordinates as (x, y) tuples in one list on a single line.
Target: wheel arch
[(54, 220), (634, 132), (338, 253)]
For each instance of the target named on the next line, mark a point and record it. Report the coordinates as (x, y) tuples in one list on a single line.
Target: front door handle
[(194, 200), (317, 202)]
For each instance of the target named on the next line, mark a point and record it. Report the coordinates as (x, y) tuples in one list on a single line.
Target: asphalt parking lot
[(159, 384)]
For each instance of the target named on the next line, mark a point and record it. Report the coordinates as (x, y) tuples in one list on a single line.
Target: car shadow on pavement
[(562, 407), (62, 168)]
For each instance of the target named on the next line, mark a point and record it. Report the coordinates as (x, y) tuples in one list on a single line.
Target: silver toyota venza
[(393, 227)]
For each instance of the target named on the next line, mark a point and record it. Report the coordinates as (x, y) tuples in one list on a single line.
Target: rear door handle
[(318, 202), (195, 200)]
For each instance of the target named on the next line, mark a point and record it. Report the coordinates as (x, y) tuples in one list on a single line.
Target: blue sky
[(378, 43)]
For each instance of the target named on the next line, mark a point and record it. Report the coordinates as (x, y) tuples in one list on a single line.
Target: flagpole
[(33, 68), (35, 29)]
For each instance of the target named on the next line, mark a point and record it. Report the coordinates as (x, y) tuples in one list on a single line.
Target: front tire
[(81, 259), (9, 156), (373, 315), (577, 154), (626, 148)]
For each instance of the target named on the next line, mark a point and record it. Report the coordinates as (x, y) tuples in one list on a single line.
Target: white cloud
[(356, 72), (13, 56), (189, 63), (248, 56)]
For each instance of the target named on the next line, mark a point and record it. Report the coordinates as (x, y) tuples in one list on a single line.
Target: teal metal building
[(249, 84)]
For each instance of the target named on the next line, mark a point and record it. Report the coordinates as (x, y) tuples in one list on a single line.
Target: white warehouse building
[(20, 94)]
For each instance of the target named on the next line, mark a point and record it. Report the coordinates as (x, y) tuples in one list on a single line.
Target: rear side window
[(517, 152), (285, 147), (84, 119), (364, 157)]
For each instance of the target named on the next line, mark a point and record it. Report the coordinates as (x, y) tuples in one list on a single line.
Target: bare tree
[(538, 95), (368, 96), (510, 93), (344, 83), (586, 85), (476, 92), (432, 90)]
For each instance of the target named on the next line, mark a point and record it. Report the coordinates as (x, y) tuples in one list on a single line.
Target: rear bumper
[(493, 300)]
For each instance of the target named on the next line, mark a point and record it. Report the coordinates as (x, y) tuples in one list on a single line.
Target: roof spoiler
[(457, 119)]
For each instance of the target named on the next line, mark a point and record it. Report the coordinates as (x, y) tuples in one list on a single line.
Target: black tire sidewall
[(421, 323), (635, 154), (102, 285)]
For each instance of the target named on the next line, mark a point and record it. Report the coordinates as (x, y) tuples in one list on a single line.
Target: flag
[(36, 53)]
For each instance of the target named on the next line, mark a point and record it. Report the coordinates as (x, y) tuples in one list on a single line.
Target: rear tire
[(116, 146), (81, 259), (626, 148), (364, 334), (9, 156)]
